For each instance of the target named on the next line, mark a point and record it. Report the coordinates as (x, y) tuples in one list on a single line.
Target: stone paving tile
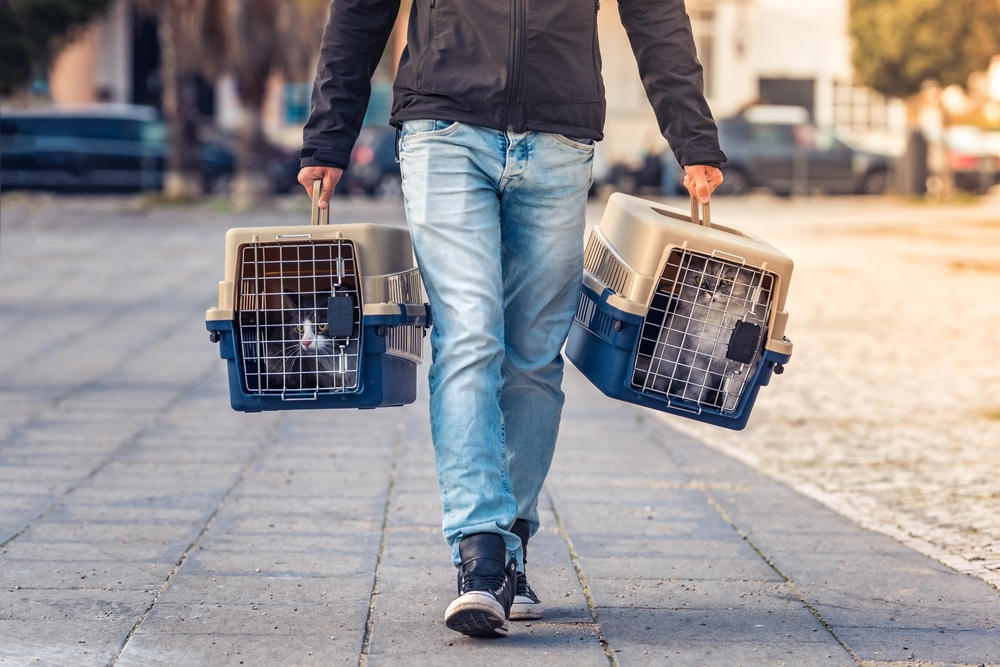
[(692, 566), (66, 627), (320, 633), (55, 572), (773, 634)]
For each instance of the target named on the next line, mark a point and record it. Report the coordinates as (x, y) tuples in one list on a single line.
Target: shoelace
[(472, 582), (523, 589)]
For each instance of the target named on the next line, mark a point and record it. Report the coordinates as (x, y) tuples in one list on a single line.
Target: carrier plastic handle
[(705, 220), (319, 216)]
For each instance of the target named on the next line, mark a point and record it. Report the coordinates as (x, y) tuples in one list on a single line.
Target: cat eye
[(321, 328), (699, 280), (298, 327), (727, 281)]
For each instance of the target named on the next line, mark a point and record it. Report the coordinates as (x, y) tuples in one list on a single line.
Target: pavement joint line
[(788, 582), (129, 441), (895, 528), (609, 652), (258, 451), (104, 324), (72, 390), (703, 487), (366, 640)]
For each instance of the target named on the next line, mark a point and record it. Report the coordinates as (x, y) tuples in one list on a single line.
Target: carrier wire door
[(702, 335), (290, 292)]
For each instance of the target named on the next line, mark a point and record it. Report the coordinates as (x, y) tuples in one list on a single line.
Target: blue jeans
[(497, 221)]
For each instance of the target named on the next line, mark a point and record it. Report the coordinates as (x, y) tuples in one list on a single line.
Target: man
[(498, 105)]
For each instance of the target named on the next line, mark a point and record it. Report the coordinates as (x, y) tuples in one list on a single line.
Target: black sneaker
[(527, 606), (485, 588)]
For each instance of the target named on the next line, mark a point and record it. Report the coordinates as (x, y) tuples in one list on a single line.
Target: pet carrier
[(320, 316), (680, 314)]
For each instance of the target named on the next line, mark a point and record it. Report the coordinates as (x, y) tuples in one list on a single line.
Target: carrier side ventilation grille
[(603, 265)]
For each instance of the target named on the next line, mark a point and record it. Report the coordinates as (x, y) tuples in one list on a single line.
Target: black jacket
[(515, 64)]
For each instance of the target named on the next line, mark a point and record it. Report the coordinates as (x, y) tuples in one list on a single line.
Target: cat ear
[(290, 300)]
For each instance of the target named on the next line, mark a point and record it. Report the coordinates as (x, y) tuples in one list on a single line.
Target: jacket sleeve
[(661, 38), (353, 42)]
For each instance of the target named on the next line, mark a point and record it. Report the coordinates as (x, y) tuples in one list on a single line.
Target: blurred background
[(196, 96)]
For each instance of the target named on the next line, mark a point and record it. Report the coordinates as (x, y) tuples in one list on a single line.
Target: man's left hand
[(701, 181)]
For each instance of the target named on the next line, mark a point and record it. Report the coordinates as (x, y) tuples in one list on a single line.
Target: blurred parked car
[(643, 178), (778, 148), (281, 164), (974, 159), (373, 169), (99, 148)]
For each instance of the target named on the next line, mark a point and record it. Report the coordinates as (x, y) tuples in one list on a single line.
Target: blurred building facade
[(769, 51), (752, 51)]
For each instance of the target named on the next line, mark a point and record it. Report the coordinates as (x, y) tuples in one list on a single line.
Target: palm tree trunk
[(182, 180)]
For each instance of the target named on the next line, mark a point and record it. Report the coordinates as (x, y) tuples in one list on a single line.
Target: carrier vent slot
[(601, 262), (403, 287), (585, 311), (592, 319), (406, 342)]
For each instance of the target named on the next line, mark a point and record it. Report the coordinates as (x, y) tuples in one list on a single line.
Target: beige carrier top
[(380, 255)]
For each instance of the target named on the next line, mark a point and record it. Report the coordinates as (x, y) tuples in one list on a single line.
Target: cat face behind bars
[(299, 352), (689, 360), (305, 322), (714, 292)]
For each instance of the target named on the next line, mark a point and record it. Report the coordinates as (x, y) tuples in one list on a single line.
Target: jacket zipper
[(430, 41), (514, 92)]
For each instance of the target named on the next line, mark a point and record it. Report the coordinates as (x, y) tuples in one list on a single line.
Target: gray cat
[(299, 353), (689, 360)]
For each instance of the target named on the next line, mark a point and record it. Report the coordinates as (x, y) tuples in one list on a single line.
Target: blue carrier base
[(383, 380), (606, 352)]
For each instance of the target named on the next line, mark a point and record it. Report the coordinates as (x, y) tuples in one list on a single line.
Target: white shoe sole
[(477, 615), (525, 609)]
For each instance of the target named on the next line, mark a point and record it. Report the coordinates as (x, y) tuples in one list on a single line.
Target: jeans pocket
[(581, 143), (416, 129)]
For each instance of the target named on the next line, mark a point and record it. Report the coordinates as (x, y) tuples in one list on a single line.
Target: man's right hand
[(329, 175)]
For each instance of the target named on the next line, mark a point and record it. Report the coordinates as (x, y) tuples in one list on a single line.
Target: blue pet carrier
[(679, 314), (320, 316)]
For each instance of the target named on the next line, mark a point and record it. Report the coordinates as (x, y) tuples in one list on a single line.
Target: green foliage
[(899, 44), (31, 30)]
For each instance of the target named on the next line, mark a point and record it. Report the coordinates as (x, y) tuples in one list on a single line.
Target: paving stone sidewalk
[(143, 522)]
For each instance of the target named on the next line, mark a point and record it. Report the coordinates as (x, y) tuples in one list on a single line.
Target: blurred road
[(143, 522)]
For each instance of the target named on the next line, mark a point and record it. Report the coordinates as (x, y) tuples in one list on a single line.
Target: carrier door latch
[(340, 317), (744, 342)]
